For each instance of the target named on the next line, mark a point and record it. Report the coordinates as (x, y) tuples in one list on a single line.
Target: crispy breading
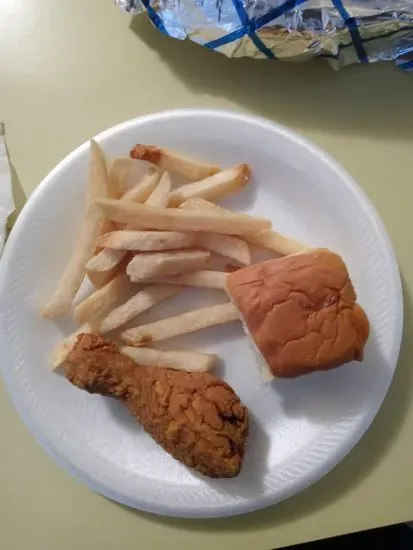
[(196, 417)]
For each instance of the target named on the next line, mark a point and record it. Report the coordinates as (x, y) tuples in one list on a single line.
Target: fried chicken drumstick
[(195, 417)]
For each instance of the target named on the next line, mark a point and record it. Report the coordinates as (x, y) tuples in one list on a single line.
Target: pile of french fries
[(143, 241)]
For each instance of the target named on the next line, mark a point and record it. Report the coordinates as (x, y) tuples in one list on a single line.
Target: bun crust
[(301, 312)]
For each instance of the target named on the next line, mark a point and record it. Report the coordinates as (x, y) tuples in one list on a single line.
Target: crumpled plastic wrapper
[(341, 31), (6, 195)]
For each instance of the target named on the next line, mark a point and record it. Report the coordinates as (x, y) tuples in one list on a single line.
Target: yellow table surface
[(70, 69)]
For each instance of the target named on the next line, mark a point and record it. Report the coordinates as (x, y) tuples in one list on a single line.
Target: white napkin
[(6, 195)]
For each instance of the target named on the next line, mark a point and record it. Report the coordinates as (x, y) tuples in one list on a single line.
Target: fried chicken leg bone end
[(196, 417)]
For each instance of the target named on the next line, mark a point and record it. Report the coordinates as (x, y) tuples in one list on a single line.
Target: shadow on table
[(367, 100), (358, 464)]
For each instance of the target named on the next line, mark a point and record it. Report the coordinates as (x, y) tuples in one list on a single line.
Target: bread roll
[(301, 312)]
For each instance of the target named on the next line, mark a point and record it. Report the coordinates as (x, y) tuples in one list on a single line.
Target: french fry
[(226, 245), (159, 264), (118, 172), (266, 239), (101, 278), (124, 175), (107, 258), (98, 171), (105, 227), (61, 351), (214, 187), (176, 219), (107, 261), (146, 241), (142, 190), (173, 162), (118, 175), (203, 279), (160, 195), (114, 191), (96, 306), (137, 304), (72, 277), (198, 203), (187, 322), (189, 361), (271, 240)]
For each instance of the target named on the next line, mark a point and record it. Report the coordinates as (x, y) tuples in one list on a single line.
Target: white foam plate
[(300, 428)]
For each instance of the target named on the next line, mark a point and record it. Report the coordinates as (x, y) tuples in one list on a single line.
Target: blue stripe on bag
[(406, 65), (246, 22), (256, 24), (353, 30), (156, 20)]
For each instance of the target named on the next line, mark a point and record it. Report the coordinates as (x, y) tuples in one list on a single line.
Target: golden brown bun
[(301, 311)]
